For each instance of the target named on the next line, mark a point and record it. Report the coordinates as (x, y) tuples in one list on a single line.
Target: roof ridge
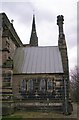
[(36, 46)]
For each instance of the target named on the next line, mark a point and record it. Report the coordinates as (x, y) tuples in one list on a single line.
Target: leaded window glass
[(50, 85), (42, 85), (30, 85), (23, 86)]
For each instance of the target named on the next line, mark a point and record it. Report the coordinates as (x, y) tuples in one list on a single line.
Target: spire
[(33, 24), (33, 38)]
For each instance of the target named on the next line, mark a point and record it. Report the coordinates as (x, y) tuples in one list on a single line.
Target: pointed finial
[(33, 12)]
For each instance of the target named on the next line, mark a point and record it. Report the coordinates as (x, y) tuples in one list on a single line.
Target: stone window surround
[(55, 83)]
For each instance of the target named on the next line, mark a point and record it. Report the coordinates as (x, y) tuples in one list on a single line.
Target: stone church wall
[(17, 80), (8, 49)]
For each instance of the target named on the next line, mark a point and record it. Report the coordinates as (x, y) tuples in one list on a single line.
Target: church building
[(33, 77)]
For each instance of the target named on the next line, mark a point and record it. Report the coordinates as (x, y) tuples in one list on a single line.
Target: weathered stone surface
[(12, 92)]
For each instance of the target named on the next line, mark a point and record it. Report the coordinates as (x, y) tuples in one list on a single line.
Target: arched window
[(50, 85), (30, 85), (42, 85), (23, 86)]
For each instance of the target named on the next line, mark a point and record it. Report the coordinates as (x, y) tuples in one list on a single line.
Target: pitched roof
[(12, 32), (38, 60)]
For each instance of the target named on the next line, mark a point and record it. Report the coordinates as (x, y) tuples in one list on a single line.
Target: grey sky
[(46, 12)]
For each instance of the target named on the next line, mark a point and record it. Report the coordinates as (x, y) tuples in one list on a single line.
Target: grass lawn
[(20, 115), (24, 114), (35, 115)]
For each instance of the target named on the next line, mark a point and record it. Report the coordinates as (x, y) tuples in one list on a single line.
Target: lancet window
[(30, 85), (23, 86), (50, 85), (42, 85)]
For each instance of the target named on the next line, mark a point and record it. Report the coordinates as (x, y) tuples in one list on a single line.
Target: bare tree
[(74, 84)]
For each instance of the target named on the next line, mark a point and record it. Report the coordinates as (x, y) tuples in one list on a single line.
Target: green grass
[(34, 115), (10, 117)]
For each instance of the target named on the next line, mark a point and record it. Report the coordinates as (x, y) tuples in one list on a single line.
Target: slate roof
[(38, 60)]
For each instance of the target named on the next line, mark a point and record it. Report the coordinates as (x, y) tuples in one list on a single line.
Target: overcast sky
[(46, 12)]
